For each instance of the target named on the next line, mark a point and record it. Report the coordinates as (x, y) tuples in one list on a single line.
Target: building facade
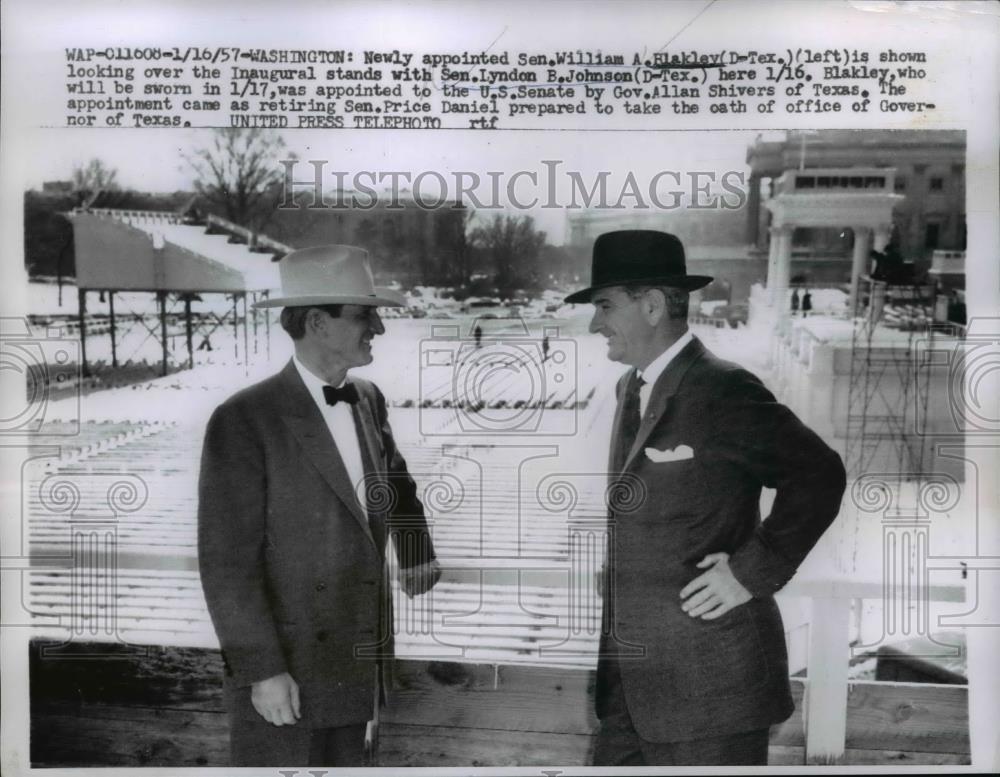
[(929, 173)]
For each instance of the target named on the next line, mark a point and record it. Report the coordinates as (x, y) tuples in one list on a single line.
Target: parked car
[(735, 314)]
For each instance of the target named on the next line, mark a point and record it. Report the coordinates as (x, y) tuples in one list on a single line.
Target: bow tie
[(347, 393)]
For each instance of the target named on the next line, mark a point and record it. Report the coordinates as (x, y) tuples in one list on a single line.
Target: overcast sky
[(152, 160)]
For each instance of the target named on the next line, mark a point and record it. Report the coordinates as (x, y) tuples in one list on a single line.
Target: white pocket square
[(680, 453)]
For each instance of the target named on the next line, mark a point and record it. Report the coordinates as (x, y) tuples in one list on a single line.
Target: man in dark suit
[(301, 484), (693, 666)]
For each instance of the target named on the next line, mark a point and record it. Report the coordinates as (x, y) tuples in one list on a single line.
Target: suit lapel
[(375, 474), (365, 422), (306, 423), (663, 391)]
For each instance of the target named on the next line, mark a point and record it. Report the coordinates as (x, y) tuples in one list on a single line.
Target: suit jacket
[(292, 573), (687, 678)]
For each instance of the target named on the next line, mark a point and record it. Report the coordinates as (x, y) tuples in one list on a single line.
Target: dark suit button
[(320, 586), (321, 636)]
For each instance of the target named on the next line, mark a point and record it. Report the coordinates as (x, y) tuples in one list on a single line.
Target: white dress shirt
[(656, 368), (340, 421)]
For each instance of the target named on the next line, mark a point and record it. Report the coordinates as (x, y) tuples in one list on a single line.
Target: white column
[(859, 265), (772, 255), (882, 234), (825, 706), (783, 268)]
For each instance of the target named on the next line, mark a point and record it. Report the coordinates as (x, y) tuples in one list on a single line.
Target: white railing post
[(825, 706)]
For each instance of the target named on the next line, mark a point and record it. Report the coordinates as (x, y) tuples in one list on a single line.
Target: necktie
[(631, 418), (347, 393)]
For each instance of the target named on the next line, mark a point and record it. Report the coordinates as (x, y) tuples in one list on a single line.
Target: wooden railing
[(830, 699)]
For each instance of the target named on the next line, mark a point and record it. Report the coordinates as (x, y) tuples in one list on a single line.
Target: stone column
[(782, 267), (881, 237), (753, 211), (772, 255), (859, 265)]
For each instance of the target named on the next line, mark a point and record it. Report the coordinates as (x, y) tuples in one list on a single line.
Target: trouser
[(259, 743), (618, 744)]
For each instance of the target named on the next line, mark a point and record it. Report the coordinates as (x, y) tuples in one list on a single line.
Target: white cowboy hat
[(329, 275)]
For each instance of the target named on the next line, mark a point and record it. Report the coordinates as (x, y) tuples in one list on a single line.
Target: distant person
[(692, 665), (291, 550), (545, 348), (889, 264), (477, 333), (795, 301), (807, 303), (956, 308)]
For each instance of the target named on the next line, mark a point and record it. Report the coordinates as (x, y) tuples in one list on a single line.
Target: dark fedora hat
[(643, 257)]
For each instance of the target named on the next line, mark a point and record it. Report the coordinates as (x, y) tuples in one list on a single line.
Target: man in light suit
[(693, 666), (301, 484)]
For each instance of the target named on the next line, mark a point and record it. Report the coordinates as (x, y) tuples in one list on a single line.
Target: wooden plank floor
[(157, 706)]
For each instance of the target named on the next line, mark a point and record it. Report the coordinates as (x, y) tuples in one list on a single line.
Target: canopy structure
[(172, 254), (861, 198), (157, 251)]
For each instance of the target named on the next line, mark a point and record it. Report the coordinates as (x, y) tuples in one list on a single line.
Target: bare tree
[(455, 236), (512, 244), (239, 174), (93, 177)]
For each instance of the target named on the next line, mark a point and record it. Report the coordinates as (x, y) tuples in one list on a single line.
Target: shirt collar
[(656, 367), (313, 383)]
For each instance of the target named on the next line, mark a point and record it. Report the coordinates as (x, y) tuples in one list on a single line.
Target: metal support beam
[(255, 312), (189, 335), (82, 314), (112, 329), (246, 335), (236, 329), (267, 325), (162, 297)]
